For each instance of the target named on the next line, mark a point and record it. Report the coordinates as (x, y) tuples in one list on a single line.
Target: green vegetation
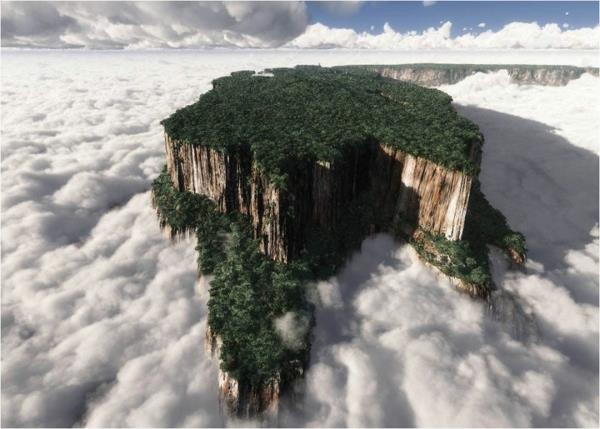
[(486, 224), (461, 259), (179, 210), (468, 259), (311, 113), (249, 290)]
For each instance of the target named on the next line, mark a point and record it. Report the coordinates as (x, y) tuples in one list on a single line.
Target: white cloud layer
[(103, 321), (514, 35)]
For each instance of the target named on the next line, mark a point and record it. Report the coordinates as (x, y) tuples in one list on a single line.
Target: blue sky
[(410, 15)]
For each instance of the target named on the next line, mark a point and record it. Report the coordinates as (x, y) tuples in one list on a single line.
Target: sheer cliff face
[(243, 400), (431, 196), (436, 76), (411, 190)]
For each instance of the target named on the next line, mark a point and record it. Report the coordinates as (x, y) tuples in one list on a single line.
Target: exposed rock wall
[(233, 184), (242, 400), (431, 196), (438, 75), (409, 188)]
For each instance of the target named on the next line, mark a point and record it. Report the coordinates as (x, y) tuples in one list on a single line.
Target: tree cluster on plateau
[(313, 113)]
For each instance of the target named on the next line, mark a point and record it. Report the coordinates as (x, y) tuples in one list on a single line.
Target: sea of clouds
[(103, 320)]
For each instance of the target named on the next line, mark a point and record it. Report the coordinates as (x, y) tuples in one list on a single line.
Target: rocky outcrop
[(411, 190), (440, 74), (243, 400), (436, 259)]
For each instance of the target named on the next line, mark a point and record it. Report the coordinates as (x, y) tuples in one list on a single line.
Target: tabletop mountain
[(282, 174)]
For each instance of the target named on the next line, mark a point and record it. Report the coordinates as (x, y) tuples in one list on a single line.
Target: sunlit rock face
[(436, 75), (412, 190)]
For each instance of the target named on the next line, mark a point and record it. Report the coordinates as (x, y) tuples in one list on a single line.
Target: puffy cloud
[(481, 25), (103, 320), (568, 116), (292, 329), (428, 3), (513, 35), (151, 24)]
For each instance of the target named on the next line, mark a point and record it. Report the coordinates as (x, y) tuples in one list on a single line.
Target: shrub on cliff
[(486, 224), (461, 259)]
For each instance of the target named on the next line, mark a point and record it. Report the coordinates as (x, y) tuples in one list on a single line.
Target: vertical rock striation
[(412, 190)]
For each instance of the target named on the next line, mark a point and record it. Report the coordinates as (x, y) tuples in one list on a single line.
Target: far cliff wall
[(436, 75), (412, 190)]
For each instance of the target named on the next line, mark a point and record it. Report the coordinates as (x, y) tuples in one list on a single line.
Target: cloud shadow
[(546, 187)]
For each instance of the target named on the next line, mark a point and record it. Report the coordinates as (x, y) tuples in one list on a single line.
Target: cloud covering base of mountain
[(103, 320), (144, 25)]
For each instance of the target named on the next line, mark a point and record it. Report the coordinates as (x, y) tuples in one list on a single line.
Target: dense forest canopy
[(314, 113)]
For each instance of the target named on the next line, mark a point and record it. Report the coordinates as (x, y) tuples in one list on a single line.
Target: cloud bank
[(149, 25), (103, 320), (520, 35)]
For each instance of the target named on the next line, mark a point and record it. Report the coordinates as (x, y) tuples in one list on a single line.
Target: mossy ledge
[(281, 177)]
